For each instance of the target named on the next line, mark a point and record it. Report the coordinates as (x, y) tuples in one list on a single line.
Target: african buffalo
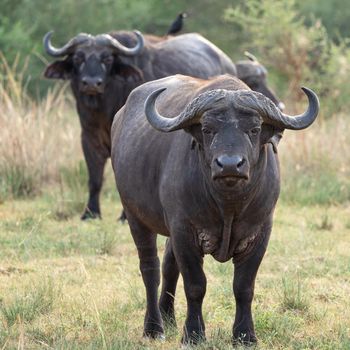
[(207, 177), (254, 75), (105, 68)]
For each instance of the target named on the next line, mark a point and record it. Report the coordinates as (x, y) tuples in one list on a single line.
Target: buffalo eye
[(78, 60), (207, 131), (253, 85), (254, 132), (107, 59)]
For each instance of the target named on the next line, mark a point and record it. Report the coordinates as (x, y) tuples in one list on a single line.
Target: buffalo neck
[(104, 105), (230, 205)]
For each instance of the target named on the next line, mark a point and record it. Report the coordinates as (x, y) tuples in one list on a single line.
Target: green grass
[(313, 188), (35, 301), (70, 199), (16, 181), (67, 284), (294, 295)]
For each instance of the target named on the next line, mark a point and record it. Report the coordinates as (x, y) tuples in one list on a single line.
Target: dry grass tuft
[(40, 145), (36, 137), (315, 163)]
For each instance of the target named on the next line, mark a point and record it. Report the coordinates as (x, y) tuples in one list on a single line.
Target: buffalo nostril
[(218, 162), (92, 82), (241, 163), (226, 162)]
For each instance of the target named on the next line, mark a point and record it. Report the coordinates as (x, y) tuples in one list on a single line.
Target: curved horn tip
[(311, 94), (139, 35), (137, 32), (48, 36), (152, 115), (250, 56), (153, 95), (159, 91), (306, 89), (304, 120)]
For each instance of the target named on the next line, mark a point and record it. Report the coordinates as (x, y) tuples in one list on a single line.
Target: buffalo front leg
[(170, 275), (190, 263), (95, 161), (146, 243), (243, 288)]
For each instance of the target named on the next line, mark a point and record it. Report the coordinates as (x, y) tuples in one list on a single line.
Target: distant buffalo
[(105, 68), (207, 176), (254, 75)]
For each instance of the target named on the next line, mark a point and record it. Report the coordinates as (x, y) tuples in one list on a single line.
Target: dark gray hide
[(215, 196), (103, 71)]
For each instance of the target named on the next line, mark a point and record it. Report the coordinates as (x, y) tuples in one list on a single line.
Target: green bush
[(301, 54), (24, 23)]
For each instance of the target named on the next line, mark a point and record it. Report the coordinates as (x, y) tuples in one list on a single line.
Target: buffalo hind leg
[(243, 288), (146, 243), (190, 263), (95, 162), (170, 275)]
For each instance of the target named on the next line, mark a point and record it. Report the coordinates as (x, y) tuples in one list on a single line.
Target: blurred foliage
[(308, 27), (301, 54), (23, 24), (334, 14)]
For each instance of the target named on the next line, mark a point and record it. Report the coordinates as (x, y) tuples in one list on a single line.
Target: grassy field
[(67, 284)]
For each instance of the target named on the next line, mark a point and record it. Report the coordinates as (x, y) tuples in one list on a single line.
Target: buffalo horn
[(250, 56), (275, 117), (127, 51), (245, 98), (66, 49), (191, 114)]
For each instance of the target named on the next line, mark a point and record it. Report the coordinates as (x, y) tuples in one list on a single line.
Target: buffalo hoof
[(156, 333), (155, 336), (246, 338), (88, 214)]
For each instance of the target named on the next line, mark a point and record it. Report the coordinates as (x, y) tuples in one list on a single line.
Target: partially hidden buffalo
[(254, 74), (105, 68), (206, 175)]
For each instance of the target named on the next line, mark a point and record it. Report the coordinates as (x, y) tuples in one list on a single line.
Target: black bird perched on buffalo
[(177, 25)]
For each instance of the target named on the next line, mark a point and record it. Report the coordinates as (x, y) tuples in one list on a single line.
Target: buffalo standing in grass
[(104, 69), (214, 195)]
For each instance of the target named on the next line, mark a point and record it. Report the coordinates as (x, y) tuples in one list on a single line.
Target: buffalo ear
[(128, 72), (271, 134), (196, 131), (58, 70)]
